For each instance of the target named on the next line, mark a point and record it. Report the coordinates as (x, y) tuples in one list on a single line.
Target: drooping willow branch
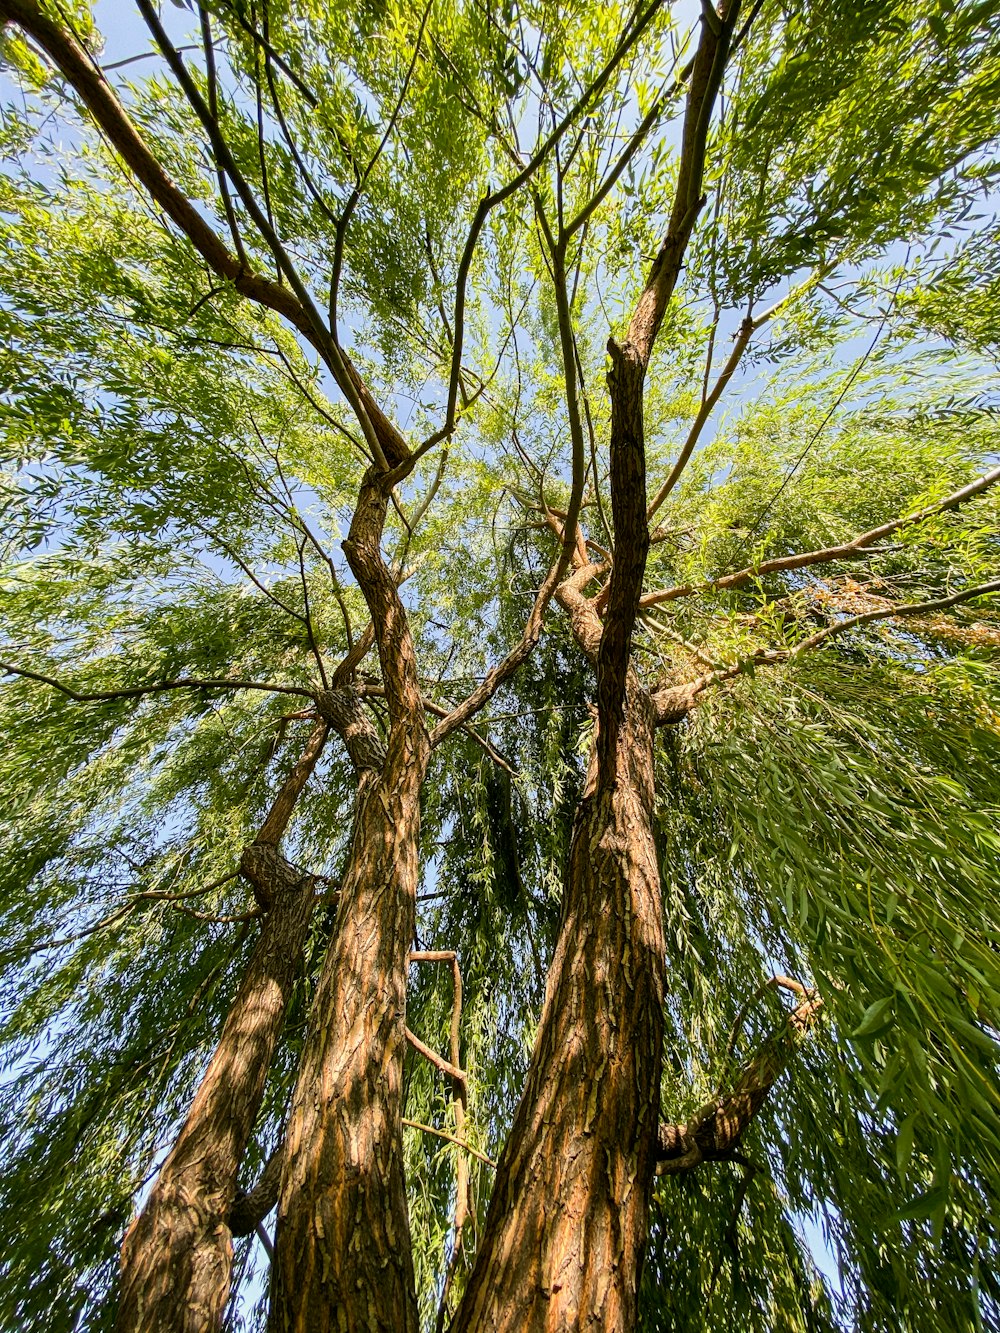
[(459, 1107)]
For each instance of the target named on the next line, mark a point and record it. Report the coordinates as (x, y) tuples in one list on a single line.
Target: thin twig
[(443, 1134), (137, 691)]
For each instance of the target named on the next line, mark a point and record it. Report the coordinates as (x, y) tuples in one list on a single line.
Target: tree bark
[(567, 1221), (342, 1248), (177, 1255)]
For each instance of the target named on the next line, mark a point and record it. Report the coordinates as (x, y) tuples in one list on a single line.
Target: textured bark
[(250, 1209), (342, 1249), (342, 1256), (177, 1255), (567, 1221), (631, 530)]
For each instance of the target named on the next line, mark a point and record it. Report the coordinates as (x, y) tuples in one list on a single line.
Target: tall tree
[(642, 359)]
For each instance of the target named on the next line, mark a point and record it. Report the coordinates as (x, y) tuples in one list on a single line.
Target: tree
[(643, 362)]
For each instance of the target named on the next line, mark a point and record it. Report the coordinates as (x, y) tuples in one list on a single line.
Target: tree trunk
[(177, 1255), (342, 1250), (342, 1253), (567, 1221)]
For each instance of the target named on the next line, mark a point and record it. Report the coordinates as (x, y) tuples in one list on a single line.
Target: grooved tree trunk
[(177, 1254), (342, 1253), (342, 1250), (567, 1221)]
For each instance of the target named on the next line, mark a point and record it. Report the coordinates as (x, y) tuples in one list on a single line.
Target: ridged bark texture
[(177, 1255), (342, 1248), (563, 1239), (342, 1258)]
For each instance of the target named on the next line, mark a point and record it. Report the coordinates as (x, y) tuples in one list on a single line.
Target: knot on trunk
[(672, 704), (269, 874), (345, 712)]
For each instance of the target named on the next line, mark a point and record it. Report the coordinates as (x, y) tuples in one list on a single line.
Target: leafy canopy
[(179, 469)]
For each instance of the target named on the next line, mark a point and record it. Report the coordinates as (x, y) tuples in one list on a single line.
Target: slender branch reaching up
[(750, 325), (213, 106), (261, 40), (344, 221), (284, 803), (713, 1133), (261, 219), (636, 142), (857, 546), (459, 1106), (492, 200)]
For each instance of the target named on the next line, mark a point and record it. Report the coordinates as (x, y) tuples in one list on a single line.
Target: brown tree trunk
[(177, 1255), (567, 1221), (342, 1249), (342, 1253)]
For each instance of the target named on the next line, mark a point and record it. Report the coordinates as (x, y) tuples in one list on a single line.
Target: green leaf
[(923, 1206), (873, 1021)]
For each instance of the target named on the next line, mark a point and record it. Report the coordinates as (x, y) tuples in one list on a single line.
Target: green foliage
[(177, 474)]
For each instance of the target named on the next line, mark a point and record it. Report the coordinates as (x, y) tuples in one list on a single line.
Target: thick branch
[(100, 99), (392, 635), (295, 305), (343, 709), (706, 77), (714, 1132), (626, 381), (284, 803), (250, 1209)]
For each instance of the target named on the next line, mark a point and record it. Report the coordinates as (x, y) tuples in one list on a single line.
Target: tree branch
[(626, 383), (137, 691), (453, 1072), (674, 702), (442, 1134), (491, 201), (284, 803), (855, 547), (714, 1132), (748, 328), (296, 306)]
